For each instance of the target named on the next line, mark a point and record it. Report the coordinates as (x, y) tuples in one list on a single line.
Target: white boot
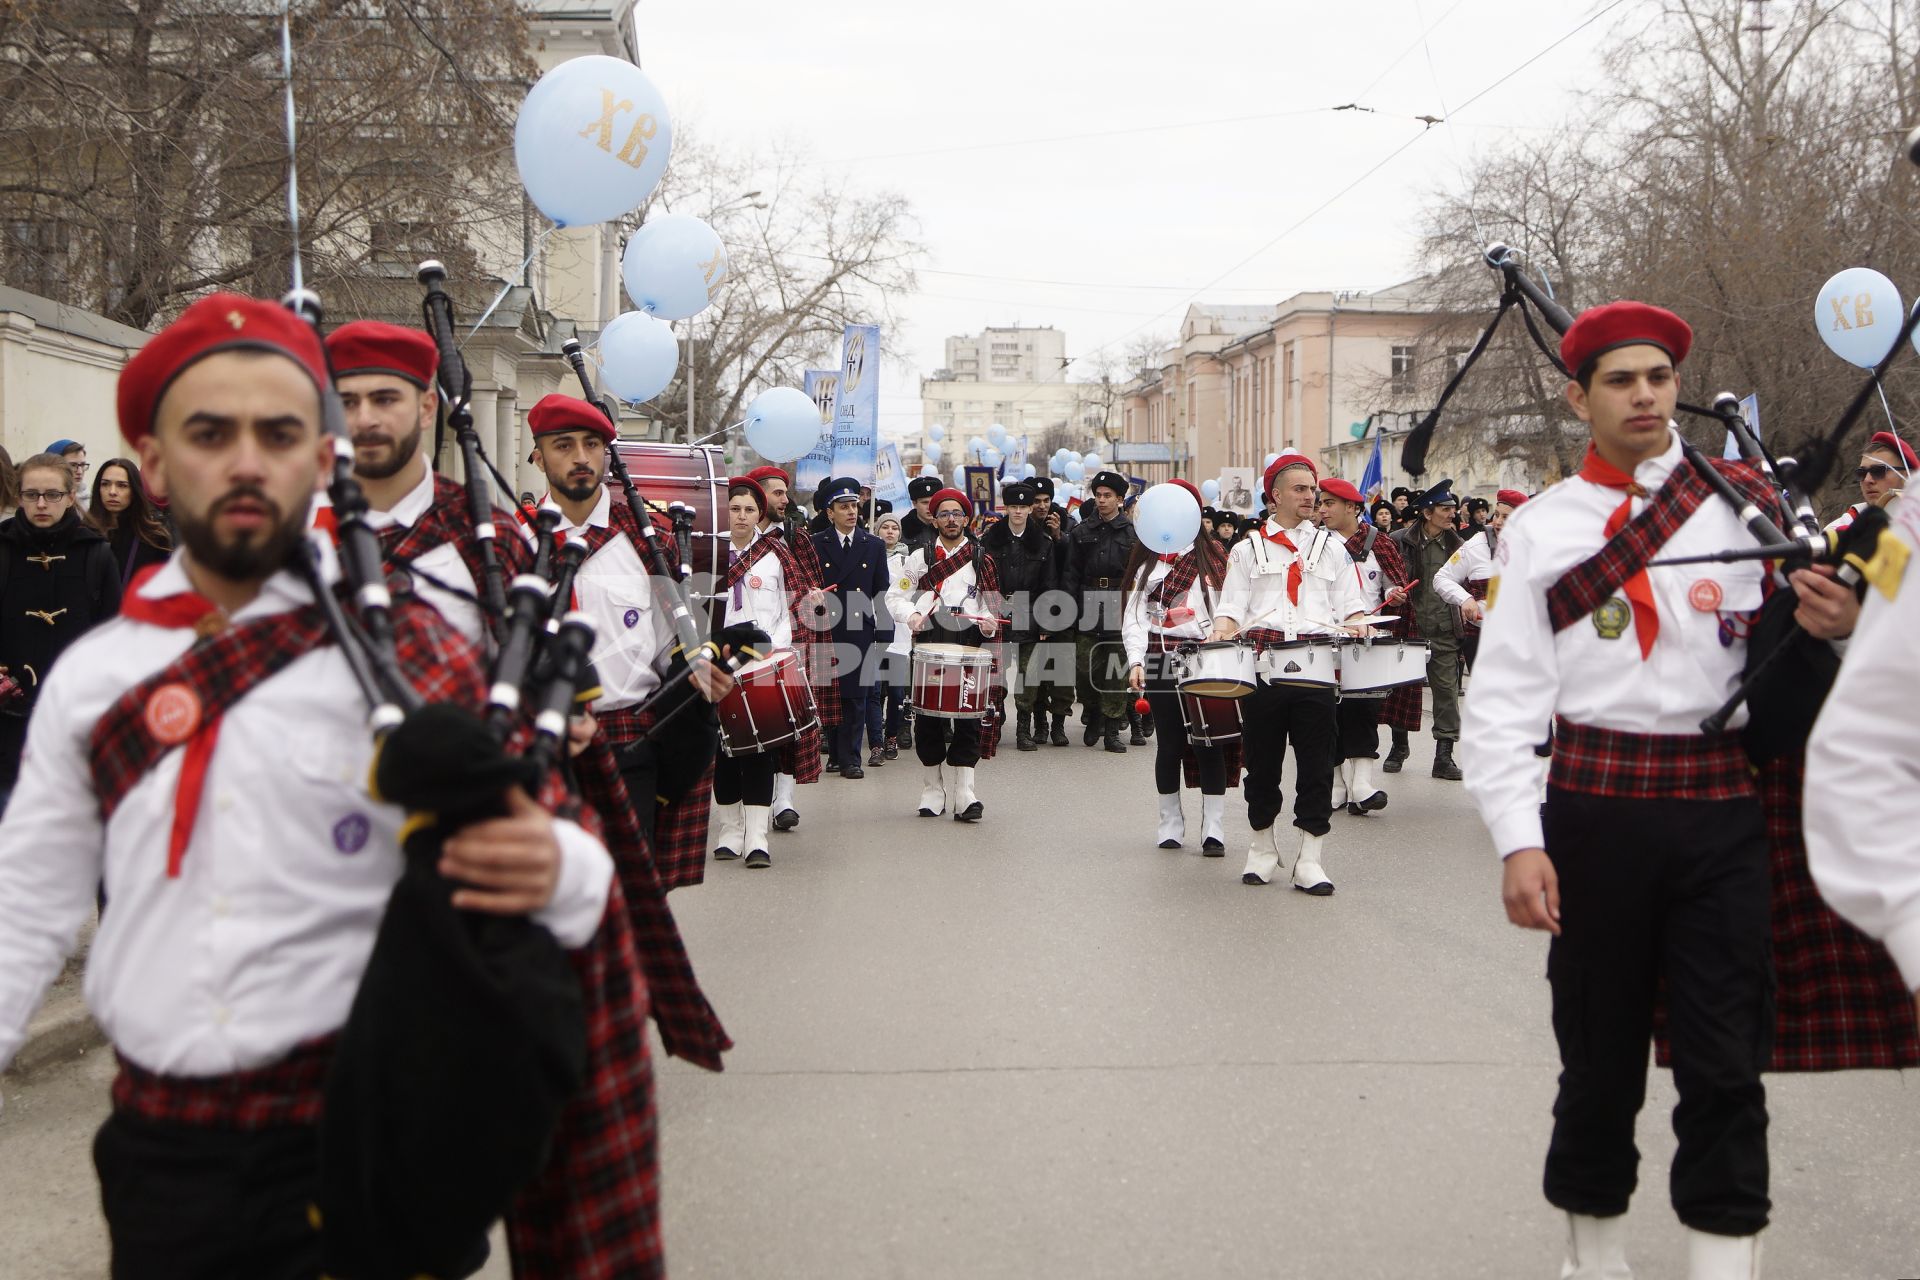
[(758, 818), (1263, 856), (1711, 1257), (785, 816), (1213, 841), (1596, 1249), (933, 793), (965, 807), (730, 831), (1342, 783), (1360, 788), (1173, 823), (1307, 875)]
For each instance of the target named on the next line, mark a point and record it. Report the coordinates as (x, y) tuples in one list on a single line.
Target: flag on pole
[(1374, 477)]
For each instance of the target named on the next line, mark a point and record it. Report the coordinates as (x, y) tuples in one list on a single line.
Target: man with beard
[(777, 485), (384, 374), (205, 755), (1383, 586), (58, 577), (668, 780)]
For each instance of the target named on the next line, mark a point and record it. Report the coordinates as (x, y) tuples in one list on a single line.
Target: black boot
[(1138, 739), (1113, 742), (1059, 737), (1397, 756), (1096, 725), (1443, 765), (1023, 732), (1146, 724), (906, 731)]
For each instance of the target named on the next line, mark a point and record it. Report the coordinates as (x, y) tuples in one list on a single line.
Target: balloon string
[(509, 286), (1891, 425), (293, 174)]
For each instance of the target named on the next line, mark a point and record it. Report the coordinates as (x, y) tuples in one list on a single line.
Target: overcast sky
[(1140, 155)]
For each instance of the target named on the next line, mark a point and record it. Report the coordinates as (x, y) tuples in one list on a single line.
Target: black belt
[(1104, 582)]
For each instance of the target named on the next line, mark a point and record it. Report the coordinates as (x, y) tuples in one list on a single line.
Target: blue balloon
[(592, 140), (1028, 471), (936, 432), (1091, 461), (1210, 490), (997, 435), (1166, 518), (1269, 461), (1076, 470), (638, 356), (932, 451), (672, 266), (1858, 314), (989, 457), (783, 423)]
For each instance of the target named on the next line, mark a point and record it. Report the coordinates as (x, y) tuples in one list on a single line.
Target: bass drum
[(693, 475)]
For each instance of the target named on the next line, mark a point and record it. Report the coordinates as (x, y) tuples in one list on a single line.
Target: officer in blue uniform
[(853, 566)]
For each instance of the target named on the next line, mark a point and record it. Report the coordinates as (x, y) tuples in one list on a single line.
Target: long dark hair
[(9, 481), (143, 518), (1140, 564)]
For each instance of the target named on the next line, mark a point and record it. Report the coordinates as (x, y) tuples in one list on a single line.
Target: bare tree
[(142, 157)]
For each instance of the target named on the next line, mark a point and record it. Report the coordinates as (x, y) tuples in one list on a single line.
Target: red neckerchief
[(1638, 588), (1295, 574), (946, 564)]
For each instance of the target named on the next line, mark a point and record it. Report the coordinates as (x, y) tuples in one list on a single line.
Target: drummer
[(755, 591), (949, 594), (1166, 606), (1289, 583), (1467, 576), (1382, 577), (777, 485)]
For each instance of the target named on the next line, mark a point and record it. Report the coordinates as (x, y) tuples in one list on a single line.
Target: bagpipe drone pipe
[(1788, 672)]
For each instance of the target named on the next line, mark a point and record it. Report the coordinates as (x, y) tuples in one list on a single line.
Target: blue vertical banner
[(856, 420), (823, 388), (1374, 477), (889, 477)]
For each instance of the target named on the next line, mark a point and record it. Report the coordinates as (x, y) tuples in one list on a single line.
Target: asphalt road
[(1040, 1046)]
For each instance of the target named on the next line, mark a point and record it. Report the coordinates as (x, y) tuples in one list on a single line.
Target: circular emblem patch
[(351, 832), (631, 617), (1612, 619), (1705, 595), (753, 580), (172, 714)]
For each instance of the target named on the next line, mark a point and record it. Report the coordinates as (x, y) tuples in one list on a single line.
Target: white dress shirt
[(632, 639), (260, 942), (1255, 591), (902, 642), (960, 592), (1137, 624), (762, 593), (1473, 562), (1863, 773), (443, 562), (1526, 674)]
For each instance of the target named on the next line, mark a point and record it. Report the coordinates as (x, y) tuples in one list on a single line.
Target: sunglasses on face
[(1879, 471)]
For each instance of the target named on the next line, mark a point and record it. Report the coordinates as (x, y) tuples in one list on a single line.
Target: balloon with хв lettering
[(1858, 315), (591, 140), (672, 266)]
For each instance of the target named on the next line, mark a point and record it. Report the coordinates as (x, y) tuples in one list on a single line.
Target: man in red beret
[(1886, 465), (1649, 861), (776, 520), (1383, 586), (384, 374), (948, 595), (1462, 581)]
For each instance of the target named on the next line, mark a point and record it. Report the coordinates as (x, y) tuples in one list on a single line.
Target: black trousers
[(1653, 890), (1170, 744), (937, 740), (854, 693), (189, 1203), (1270, 717), (1356, 723), (743, 779)]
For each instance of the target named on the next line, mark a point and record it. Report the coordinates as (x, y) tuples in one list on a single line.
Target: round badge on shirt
[(1705, 595)]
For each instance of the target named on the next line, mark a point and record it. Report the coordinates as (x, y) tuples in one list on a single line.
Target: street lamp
[(693, 347)]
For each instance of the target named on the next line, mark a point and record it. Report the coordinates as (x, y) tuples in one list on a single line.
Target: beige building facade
[(1013, 376)]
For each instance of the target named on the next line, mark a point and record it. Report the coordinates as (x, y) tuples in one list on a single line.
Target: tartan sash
[(757, 550), (1595, 580), (947, 565), (1185, 571), (447, 522)]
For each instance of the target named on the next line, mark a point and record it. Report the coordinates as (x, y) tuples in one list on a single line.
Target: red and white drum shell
[(1211, 722), (952, 681), (691, 474), (768, 706)]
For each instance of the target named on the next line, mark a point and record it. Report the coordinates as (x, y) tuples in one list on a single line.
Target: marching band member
[(1648, 862), (776, 486), (950, 586), (1287, 580), (1167, 602), (634, 648), (1382, 577), (1885, 467), (1462, 581)]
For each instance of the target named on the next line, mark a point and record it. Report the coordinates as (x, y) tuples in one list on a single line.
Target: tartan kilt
[(1839, 1002), (1190, 764), (679, 845), (1403, 708), (595, 1209), (288, 1092)]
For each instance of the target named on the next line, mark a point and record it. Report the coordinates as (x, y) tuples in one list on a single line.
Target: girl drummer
[(1166, 603)]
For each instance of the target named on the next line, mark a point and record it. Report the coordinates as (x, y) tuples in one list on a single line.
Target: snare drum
[(1211, 722), (693, 475), (951, 681), (1310, 663), (1218, 669), (1374, 669), (768, 706)]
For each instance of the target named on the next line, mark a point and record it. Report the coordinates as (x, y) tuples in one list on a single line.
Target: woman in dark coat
[(127, 515)]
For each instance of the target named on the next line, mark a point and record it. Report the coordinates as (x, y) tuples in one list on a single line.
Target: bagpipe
[(1788, 672)]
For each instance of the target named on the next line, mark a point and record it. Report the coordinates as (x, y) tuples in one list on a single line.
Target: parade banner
[(980, 487), (889, 477), (1016, 460), (856, 420), (822, 387)]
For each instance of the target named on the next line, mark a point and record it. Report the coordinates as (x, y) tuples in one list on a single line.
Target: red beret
[(1623, 324), (556, 413), (1511, 497), (966, 503), (1191, 488), (218, 322), (770, 473), (1888, 440), (1290, 458), (368, 346), (752, 486), (1342, 490)]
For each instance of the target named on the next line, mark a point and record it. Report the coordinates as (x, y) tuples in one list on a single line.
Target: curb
[(60, 1033)]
